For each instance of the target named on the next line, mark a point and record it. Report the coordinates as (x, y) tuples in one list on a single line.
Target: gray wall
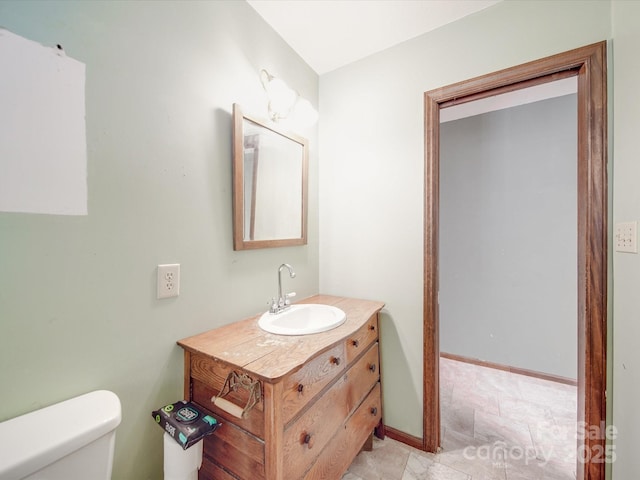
[(77, 294), (508, 226)]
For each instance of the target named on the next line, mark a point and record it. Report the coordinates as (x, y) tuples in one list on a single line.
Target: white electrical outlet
[(168, 280), (626, 237)]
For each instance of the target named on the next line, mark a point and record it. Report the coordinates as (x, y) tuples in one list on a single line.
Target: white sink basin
[(302, 319)]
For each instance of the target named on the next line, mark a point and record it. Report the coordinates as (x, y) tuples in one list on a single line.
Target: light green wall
[(371, 173), (77, 294), (626, 267)]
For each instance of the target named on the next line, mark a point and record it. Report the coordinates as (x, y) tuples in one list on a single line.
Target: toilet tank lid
[(34, 440)]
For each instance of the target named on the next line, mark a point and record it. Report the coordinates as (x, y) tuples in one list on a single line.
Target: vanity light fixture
[(286, 103)]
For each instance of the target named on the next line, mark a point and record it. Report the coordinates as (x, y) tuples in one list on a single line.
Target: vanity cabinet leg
[(368, 444), (274, 431)]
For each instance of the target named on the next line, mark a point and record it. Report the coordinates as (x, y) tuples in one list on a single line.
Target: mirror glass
[(270, 185)]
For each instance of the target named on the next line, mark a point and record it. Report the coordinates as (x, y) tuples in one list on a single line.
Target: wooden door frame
[(589, 65)]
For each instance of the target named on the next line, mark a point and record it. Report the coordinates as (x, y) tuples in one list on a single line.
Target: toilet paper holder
[(233, 382)]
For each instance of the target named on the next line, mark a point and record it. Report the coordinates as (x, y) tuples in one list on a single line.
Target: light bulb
[(304, 113), (281, 97)]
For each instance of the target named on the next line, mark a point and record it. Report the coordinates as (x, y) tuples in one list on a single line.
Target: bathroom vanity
[(291, 407)]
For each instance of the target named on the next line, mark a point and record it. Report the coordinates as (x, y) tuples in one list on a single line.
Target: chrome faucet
[(282, 302)]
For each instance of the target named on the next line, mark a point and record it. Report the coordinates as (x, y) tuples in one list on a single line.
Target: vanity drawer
[(360, 340), (345, 445), (300, 387), (211, 471), (363, 376), (308, 435), (201, 393), (236, 451), (214, 373)]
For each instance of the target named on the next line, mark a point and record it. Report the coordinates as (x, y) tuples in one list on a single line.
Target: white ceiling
[(329, 34)]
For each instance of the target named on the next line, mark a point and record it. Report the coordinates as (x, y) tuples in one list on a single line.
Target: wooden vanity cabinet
[(320, 396)]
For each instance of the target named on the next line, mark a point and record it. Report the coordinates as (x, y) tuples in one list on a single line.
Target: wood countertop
[(244, 344)]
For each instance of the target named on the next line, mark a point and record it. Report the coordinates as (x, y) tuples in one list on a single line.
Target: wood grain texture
[(274, 426), (592, 252), (211, 471), (252, 447), (187, 375), (269, 356), (589, 64), (431, 335), (301, 386), (323, 418), (214, 374), (305, 439), (359, 342), (236, 452), (411, 440), (348, 441), (363, 376), (253, 422), (311, 391)]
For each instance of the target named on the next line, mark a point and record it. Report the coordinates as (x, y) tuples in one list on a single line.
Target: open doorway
[(508, 280), (588, 64)]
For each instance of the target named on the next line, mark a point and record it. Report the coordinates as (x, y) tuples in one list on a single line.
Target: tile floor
[(496, 426)]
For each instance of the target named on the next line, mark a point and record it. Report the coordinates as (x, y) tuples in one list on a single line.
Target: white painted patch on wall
[(43, 150)]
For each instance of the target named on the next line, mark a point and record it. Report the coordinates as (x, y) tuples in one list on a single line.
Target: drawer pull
[(300, 388), (372, 368), (335, 360), (355, 343), (374, 411), (307, 439)]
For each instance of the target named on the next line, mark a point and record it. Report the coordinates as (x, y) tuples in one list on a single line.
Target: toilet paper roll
[(181, 464)]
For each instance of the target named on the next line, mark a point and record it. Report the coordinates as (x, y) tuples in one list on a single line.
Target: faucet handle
[(274, 305), (287, 296)]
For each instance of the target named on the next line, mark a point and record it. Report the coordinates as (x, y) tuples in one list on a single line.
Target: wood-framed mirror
[(269, 184)]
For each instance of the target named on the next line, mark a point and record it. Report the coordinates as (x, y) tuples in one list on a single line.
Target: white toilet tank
[(74, 439)]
